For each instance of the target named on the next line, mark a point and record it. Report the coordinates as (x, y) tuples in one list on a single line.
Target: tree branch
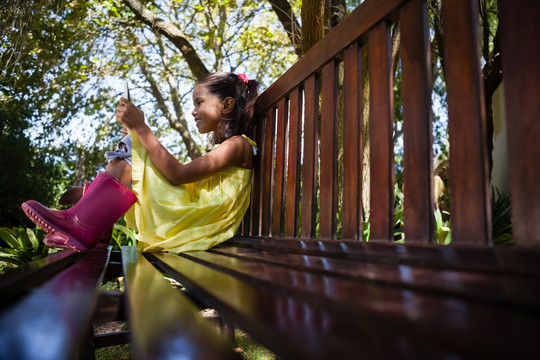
[(173, 33), (285, 14)]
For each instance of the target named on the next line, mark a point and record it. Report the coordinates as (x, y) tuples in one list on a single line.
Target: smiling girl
[(176, 207)]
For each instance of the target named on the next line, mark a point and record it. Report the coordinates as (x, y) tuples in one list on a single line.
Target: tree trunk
[(312, 23)]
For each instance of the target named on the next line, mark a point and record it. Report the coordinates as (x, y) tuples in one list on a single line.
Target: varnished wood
[(292, 197), (315, 307), (329, 150), (380, 128), (56, 315), (504, 289), (419, 222), (311, 157), (17, 282), (258, 181), (352, 142), (278, 204), (267, 159), (470, 212), (498, 260), (350, 29), (164, 323), (520, 51)]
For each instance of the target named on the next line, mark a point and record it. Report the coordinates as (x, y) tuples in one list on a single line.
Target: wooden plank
[(352, 143), (258, 179), (520, 51), (292, 198), (53, 321), (505, 289), (470, 214), (381, 120), (329, 151), (278, 205), (17, 282), (282, 309), (267, 159), (499, 260), (164, 323), (351, 29), (310, 157), (419, 222)]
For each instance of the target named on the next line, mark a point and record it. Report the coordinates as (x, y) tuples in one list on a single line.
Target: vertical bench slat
[(352, 143), (279, 177), (380, 125), (520, 53), (469, 179), (267, 159), (419, 223), (310, 154), (293, 167), (329, 138), (258, 179)]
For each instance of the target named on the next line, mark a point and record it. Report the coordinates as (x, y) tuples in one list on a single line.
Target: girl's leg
[(103, 203), (121, 170)]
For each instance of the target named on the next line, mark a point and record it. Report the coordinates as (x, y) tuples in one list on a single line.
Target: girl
[(177, 207)]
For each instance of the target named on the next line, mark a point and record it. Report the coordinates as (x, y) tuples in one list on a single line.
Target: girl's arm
[(235, 151)]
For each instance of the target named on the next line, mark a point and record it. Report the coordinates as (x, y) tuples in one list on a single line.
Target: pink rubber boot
[(70, 197), (82, 225)]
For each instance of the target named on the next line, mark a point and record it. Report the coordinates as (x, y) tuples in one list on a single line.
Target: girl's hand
[(129, 115)]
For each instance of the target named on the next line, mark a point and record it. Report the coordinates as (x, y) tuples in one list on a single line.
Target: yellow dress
[(194, 216)]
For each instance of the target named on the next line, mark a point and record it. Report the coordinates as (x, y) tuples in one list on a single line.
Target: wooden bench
[(298, 278)]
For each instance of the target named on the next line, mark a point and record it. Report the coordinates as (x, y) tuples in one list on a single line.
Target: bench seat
[(317, 304), (53, 301)]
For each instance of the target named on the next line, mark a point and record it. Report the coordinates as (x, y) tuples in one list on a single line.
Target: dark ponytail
[(244, 92)]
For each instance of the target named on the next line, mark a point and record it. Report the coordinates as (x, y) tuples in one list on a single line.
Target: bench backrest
[(312, 116)]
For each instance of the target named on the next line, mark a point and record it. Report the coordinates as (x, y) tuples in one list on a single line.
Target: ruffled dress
[(194, 216)]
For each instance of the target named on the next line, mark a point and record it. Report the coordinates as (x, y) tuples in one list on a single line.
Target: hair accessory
[(243, 77)]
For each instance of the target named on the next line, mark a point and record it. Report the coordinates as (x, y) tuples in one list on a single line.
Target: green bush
[(21, 245)]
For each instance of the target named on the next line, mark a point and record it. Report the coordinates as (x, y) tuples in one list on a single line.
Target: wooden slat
[(267, 159), (310, 157), (419, 222), (21, 280), (381, 110), (164, 323), (352, 28), (498, 260), (509, 290), (333, 317), (329, 150), (258, 179), (278, 205), (292, 197), (470, 213), (53, 321), (352, 143), (520, 54)]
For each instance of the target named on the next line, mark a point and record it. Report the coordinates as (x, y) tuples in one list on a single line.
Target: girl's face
[(208, 109)]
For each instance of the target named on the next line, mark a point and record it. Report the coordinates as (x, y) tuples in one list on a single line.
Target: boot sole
[(70, 242)]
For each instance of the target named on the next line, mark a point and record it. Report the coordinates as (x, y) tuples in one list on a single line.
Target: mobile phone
[(126, 95), (126, 90)]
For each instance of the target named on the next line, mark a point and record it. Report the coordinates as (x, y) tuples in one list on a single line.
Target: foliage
[(40, 178), (501, 218), (122, 235), (22, 245)]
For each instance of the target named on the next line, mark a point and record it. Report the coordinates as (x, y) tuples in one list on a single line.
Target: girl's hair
[(244, 92)]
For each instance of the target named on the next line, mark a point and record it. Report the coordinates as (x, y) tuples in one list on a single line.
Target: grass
[(246, 347), (249, 349)]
